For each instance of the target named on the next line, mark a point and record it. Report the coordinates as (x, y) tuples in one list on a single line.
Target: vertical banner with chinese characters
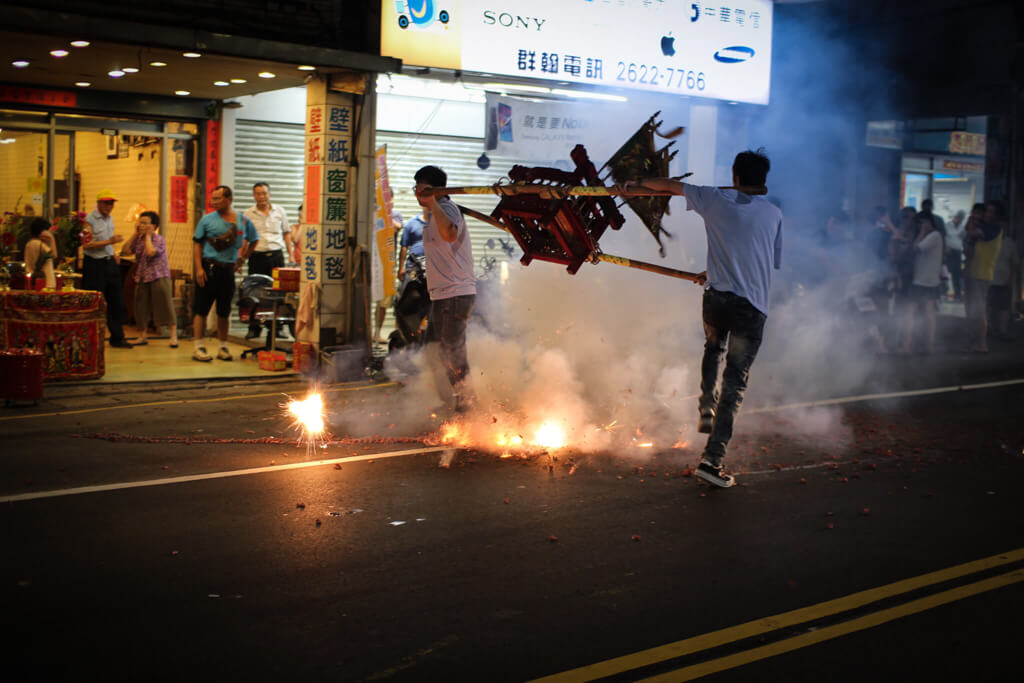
[(179, 199), (382, 261), (327, 200), (212, 159)]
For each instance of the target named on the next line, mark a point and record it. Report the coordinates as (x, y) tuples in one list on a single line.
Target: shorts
[(154, 298), (999, 297), (920, 293), (386, 302), (220, 288)]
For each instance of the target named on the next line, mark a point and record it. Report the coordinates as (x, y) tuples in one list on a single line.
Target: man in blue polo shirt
[(215, 253), (744, 243)]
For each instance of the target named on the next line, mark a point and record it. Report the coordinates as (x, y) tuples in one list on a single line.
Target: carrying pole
[(563, 191)]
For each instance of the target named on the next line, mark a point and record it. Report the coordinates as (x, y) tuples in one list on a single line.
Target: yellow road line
[(187, 400), (707, 641), (828, 633)]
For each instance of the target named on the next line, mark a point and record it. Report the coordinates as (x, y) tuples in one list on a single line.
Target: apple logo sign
[(668, 47)]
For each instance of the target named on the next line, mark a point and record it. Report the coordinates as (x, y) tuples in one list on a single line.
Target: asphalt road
[(377, 568)]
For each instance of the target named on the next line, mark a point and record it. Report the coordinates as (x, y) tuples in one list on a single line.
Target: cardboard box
[(285, 285), (274, 361), (304, 357), (287, 274)]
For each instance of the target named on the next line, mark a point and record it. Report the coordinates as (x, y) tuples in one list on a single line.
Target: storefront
[(946, 166), (80, 116)]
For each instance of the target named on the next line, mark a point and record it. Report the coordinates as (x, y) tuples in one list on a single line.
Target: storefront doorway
[(954, 184)]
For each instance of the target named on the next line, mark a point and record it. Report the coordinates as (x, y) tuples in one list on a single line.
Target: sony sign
[(678, 48), (508, 20)]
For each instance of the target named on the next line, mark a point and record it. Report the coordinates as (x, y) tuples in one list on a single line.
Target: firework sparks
[(308, 417), (550, 435)]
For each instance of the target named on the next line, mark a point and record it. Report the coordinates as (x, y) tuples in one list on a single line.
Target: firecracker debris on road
[(474, 567)]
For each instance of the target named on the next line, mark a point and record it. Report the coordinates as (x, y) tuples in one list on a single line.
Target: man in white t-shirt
[(271, 223), (744, 245), (928, 250), (450, 280)]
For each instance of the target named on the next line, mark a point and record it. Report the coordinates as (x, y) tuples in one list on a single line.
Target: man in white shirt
[(99, 268), (271, 223), (744, 244), (928, 248), (450, 280)]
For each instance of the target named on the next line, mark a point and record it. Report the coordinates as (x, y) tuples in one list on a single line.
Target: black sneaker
[(714, 475), (706, 422), (121, 344)]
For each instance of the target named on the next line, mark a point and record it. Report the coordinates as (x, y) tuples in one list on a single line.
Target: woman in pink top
[(153, 291)]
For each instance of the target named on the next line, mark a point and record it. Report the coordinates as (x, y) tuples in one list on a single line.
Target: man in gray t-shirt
[(450, 280), (744, 245)]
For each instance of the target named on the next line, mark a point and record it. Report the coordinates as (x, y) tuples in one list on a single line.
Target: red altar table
[(68, 327)]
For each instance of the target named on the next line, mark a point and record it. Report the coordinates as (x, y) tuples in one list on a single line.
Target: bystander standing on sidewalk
[(981, 246), (955, 253), (928, 247), (1000, 293), (154, 297)]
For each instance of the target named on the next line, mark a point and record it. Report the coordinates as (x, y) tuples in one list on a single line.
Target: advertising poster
[(703, 49), (382, 263)]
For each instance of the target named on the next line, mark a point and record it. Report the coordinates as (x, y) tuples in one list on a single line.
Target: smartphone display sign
[(686, 48)]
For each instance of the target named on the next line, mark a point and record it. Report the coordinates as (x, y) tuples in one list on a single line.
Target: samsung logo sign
[(734, 54)]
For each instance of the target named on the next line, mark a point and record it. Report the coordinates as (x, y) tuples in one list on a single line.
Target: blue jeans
[(448, 320), (734, 326)]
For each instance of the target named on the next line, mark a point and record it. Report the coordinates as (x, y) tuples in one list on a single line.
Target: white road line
[(414, 451), (874, 397), (210, 475)]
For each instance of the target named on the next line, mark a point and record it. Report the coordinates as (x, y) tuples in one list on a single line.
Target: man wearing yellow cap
[(99, 269)]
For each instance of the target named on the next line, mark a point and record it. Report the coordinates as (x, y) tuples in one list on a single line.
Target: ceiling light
[(116, 73), (79, 43), (238, 80), (582, 94), (158, 64), (83, 84), (130, 70), (516, 87), (59, 53), (221, 83), (183, 93), (191, 55), (307, 67), (267, 74), (20, 63)]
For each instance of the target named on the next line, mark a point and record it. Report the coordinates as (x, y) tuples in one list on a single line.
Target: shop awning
[(31, 35)]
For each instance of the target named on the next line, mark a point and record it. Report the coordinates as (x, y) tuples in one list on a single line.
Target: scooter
[(412, 307)]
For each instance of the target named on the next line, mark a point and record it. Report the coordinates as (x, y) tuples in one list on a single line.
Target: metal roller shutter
[(407, 153), (270, 153)]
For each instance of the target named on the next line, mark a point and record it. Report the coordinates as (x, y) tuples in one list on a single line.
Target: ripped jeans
[(734, 326)]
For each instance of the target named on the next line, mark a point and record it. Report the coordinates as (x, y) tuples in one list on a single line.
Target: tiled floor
[(157, 361)]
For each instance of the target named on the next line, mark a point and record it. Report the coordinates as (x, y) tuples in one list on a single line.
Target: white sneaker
[(201, 355), (224, 354)]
